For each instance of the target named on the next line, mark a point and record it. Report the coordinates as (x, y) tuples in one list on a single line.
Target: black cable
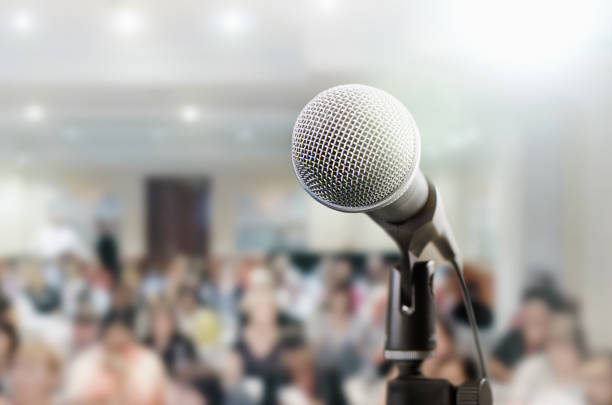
[(467, 301)]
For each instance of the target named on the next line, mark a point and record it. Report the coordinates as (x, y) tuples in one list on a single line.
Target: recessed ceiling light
[(22, 22), (327, 6), (34, 113), (128, 22), (232, 22), (189, 114)]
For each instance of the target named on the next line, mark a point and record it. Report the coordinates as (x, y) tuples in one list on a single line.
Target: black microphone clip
[(411, 310)]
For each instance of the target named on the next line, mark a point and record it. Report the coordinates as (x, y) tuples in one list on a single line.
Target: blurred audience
[(259, 330)]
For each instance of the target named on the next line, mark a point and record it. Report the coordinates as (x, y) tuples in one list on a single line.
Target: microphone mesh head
[(354, 147)]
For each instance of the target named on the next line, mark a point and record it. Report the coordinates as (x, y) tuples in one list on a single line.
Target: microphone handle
[(411, 202)]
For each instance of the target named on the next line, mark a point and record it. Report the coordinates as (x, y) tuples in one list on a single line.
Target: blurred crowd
[(277, 329)]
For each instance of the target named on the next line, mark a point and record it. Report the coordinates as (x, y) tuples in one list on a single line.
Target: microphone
[(356, 148)]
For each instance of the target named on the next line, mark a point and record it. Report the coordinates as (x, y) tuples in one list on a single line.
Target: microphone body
[(408, 204), (357, 149)]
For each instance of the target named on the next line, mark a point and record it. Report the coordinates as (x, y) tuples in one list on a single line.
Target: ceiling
[(202, 85)]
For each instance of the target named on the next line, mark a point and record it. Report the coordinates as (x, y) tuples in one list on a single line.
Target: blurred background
[(156, 247)]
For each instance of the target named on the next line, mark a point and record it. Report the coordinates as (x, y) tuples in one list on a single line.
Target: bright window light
[(189, 114), (22, 22), (128, 22), (34, 113), (525, 33)]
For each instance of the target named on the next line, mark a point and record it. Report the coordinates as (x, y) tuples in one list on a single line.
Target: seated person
[(118, 369), (526, 338), (308, 384), (257, 352), (446, 363), (180, 357), (35, 376), (552, 376)]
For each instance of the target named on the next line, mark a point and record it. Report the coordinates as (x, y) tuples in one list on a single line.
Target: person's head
[(177, 267), (131, 275), (33, 275), (340, 272), (597, 378), (446, 362), (339, 302), (261, 308), (536, 316), (85, 329), (377, 268), (8, 342), (71, 265), (118, 330), (564, 346), (188, 299), (261, 277), (297, 356), (280, 265), (105, 226), (35, 374), (123, 297), (163, 324)]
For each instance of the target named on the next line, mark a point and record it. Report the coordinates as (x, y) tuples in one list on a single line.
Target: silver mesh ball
[(354, 146)]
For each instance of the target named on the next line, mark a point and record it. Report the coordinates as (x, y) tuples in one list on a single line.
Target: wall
[(27, 198)]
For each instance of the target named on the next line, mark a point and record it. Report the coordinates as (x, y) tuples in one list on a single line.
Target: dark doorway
[(177, 217)]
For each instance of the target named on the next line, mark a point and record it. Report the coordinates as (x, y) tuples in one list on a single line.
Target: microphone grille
[(355, 147)]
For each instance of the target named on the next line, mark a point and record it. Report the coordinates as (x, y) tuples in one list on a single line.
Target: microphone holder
[(411, 312)]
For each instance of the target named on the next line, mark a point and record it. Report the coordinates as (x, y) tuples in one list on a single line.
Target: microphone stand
[(411, 339), (411, 312)]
